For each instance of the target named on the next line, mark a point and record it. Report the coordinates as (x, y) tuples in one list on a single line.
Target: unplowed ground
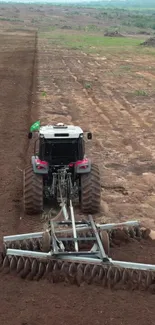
[(123, 145)]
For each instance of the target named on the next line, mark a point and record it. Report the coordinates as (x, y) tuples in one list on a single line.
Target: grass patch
[(44, 94), (11, 19), (88, 85), (95, 40), (125, 67), (89, 42), (141, 92), (95, 43)]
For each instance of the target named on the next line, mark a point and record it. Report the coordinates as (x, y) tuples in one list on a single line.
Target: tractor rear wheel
[(32, 191), (90, 196)]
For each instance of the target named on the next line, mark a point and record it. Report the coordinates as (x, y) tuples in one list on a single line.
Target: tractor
[(60, 171), (71, 250)]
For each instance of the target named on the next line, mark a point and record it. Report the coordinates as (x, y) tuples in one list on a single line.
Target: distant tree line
[(122, 4)]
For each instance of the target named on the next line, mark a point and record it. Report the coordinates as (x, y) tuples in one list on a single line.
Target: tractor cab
[(61, 145)]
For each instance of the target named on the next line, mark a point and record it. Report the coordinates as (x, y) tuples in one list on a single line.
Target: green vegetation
[(139, 20), (125, 67), (141, 92), (131, 18), (44, 94), (98, 20), (89, 42), (96, 43), (10, 19), (88, 85), (128, 4)]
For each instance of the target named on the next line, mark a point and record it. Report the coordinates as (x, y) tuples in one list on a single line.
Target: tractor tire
[(32, 191), (90, 196)]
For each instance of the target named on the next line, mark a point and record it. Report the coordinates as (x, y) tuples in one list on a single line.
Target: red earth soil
[(35, 303)]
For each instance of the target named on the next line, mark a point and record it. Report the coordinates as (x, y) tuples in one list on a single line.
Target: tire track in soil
[(15, 106)]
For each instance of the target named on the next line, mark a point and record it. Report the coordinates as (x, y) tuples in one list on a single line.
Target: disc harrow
[(77, 252), (116, 236), (78, 273)]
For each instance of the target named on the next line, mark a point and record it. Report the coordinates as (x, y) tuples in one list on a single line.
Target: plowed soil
[(36, 303)]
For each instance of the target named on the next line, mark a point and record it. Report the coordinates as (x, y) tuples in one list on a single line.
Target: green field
[(96, 43)]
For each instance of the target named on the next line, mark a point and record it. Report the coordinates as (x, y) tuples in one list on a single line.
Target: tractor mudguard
[(39, 166), (83, 166)]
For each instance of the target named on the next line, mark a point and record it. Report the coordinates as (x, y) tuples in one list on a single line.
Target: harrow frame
[(96, 255), (64, 260)]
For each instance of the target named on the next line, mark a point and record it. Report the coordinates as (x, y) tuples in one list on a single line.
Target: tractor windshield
[(60, 152)]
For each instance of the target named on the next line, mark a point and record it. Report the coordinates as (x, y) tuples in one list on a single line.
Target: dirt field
[(100, 93), (89, 90)]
